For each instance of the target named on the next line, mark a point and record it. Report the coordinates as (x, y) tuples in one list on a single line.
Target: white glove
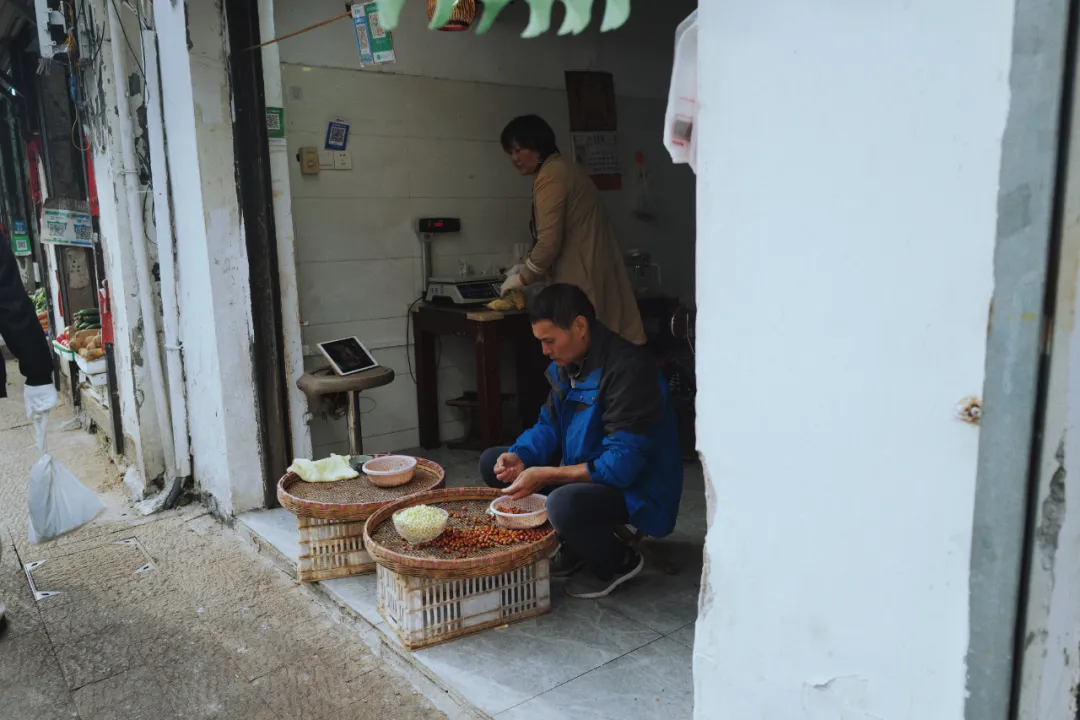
[(39, 400), (514, 282), (516, 270)]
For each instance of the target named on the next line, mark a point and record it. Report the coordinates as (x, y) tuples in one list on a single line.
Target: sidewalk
[(164, 617)]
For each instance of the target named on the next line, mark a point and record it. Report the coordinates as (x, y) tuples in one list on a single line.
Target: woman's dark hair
[(530, 132), (561, 304)]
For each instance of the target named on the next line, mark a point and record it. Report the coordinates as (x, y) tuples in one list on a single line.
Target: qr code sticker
[(337, 135), (273, 121), (83, 232), (683, 130)]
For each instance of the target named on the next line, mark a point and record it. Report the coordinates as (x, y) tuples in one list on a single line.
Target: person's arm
[(19, 325), (549, 198), (632, 403)]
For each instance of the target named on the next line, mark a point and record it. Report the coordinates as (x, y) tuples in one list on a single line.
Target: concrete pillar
[(215, 299)]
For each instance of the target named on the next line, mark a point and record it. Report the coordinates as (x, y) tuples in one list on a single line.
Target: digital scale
[(463, 292), (451, 291)]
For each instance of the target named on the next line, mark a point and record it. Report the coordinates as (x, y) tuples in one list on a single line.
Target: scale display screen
[(478, 291)]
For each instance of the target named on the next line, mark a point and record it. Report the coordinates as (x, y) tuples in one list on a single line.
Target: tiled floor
[(626, 656)]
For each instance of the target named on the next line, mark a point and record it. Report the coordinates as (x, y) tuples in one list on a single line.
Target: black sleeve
[(19, 325), (632, 398)]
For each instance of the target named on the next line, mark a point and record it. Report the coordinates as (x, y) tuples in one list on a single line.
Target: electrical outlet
[(342, 160), (326, 159)]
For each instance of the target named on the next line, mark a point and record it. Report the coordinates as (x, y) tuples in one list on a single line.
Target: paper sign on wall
[(373, 40), (597, 152), (337, 135), (66, 227), (20, 241), (275, 126)]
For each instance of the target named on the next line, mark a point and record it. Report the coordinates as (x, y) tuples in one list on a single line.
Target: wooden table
[(486, 328)]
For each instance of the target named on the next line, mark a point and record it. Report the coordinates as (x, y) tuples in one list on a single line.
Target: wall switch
[(309, 160), (326, 159), (342, 160), (307, 350)]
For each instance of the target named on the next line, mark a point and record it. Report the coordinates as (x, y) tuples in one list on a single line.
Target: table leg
[(356, 434), (427, 388), (488, 385)]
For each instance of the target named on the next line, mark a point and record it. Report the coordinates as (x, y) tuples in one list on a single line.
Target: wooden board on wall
[(591, 98)]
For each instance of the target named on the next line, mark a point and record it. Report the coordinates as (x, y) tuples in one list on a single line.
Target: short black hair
[(561, 304), (530, 132)]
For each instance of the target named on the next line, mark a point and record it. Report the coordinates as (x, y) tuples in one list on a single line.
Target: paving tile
[(33, 687), (277, 527), (359, 593), (662, 602), (498, 669), (132, 695), (91, 658), (22, 612), (266, 637), (313, 689), (652, 683), (684, 635), (199, 680)]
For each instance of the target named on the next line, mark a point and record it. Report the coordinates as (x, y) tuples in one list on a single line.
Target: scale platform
[(471, 291)]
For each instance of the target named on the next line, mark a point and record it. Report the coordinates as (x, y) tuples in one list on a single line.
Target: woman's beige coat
[(576, 244)]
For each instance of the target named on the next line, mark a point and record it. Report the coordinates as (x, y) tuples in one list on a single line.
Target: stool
[(325, 386), (635, 541)]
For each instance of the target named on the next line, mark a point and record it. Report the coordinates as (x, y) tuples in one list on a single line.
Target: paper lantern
[(462, 17)]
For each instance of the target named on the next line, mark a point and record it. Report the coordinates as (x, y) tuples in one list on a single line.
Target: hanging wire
[(123, 31)]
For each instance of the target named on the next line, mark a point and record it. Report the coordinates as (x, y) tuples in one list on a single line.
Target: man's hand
[(527, 483), (40, 399), (508, 467)]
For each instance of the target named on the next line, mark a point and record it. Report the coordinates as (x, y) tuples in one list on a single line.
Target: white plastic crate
[(331, 549), (429, 611)]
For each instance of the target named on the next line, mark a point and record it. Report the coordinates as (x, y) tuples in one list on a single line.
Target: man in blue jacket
[(605, 447)]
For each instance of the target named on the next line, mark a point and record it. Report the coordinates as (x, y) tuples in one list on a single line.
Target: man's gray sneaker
[(589, 587)]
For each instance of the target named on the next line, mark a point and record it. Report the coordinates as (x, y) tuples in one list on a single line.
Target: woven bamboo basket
[(383, 542), (330, 519)]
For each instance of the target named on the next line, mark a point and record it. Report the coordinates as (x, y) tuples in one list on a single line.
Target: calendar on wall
[(598, 152), (594, 126)]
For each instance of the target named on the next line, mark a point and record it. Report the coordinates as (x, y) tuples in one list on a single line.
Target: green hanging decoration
[(492, 8), (578, 15), (539, 18), (616, 14)]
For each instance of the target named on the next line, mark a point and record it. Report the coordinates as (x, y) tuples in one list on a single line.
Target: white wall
[(424, 140), (850, 153)]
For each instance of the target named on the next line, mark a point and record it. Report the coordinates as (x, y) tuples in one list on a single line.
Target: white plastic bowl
[(421, 538), (535, 515), (390, 470)]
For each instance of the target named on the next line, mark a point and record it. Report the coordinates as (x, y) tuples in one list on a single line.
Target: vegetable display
[(88, 319)]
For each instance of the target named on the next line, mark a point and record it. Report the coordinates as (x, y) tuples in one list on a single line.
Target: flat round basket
[(354, 499), (467, 507)]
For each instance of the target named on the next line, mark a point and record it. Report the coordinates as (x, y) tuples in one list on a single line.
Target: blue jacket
[(618, 419)]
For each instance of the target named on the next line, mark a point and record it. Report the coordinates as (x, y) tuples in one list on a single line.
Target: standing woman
[(573, 236)]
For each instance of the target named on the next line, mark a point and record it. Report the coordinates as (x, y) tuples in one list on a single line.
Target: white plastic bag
[(59, 503), (681, 115)]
